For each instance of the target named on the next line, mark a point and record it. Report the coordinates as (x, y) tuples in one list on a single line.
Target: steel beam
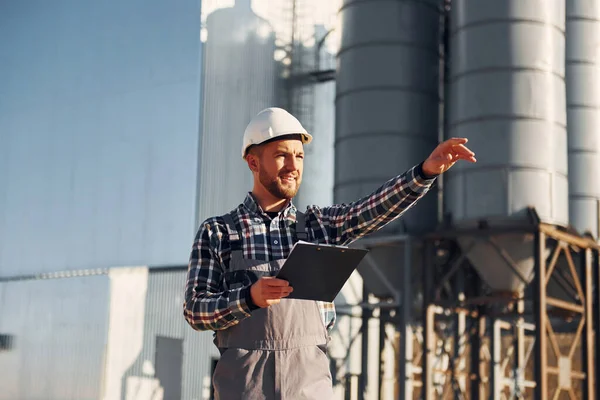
[(541, 316), (588, 336), (428, 321), (405, 352)]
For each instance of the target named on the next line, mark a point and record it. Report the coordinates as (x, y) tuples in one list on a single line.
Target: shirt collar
[(252, 205)]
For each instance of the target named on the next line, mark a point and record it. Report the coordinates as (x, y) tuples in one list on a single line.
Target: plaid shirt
[(208, 306)]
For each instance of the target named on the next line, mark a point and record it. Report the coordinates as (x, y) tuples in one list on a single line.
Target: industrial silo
[(508, 98), (583, 113), (387, 105), (240, 78)]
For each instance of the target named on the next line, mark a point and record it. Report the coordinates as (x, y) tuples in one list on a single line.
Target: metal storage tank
[(387, 106), (508, 98), (583, 113), (240, 78)]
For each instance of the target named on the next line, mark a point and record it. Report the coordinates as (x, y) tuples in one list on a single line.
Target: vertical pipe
[(588, 337), (382, 320), (364, 376), (598, 219), (596, 316), (496, 375), (475, 371), (519, 374), (541, 338), (405, 353), (459, 363), (481, 369), (348, 387), (428, 320), (444, 94)]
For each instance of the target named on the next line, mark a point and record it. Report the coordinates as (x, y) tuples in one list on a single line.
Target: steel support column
[(541, 318), (364, 376), (383, 316), (588, 336), (405, 352), (428, 322), (596, 317)]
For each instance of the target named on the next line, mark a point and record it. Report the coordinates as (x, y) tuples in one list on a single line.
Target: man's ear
[(252, 162)]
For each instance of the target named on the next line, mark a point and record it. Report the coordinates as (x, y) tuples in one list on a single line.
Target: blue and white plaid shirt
[(208, 306)]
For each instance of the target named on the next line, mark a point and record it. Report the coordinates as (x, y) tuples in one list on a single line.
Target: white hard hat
[(271, 123)]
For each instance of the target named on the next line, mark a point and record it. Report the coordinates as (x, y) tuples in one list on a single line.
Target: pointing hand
[(446, 154)]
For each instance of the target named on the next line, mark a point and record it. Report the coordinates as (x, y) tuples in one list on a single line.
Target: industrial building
[(120, 131)]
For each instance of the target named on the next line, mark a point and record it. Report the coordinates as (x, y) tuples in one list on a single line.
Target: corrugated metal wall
[(99, 121), (59, 332), (95, 337), (164, 318)]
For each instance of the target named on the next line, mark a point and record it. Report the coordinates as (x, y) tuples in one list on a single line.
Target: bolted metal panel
[(59, 331), (387, 107), (583, 113), (508, 98)]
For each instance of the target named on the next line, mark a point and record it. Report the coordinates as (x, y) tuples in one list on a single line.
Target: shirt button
[(275, 241)]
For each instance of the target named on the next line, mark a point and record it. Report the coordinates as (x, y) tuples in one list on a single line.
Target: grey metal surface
[(164, 318), (63, 339), (387, 106), (317, 181), (99, 120), (583, 113), (59, 328), (508, 98), (240, 78)]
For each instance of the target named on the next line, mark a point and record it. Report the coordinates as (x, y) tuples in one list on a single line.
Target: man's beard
[(273, 186)]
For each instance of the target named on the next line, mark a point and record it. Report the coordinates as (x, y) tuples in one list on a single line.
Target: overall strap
[(301, 226), (232, 232)]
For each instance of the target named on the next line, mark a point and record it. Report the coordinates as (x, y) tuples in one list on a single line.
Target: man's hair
[(257, 149)]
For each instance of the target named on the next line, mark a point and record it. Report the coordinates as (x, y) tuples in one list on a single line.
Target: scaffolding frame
[(492, 353), (550, 243)]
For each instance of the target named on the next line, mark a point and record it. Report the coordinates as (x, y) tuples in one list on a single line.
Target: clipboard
[(319, 271)]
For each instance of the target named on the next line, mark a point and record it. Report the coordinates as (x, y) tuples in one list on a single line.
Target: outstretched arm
[(348, 222)]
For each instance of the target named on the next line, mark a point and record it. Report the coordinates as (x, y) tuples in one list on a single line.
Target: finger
[(275, 282), (455, 141), (277, 293), (462, 149), (467, 157), (273, 302)]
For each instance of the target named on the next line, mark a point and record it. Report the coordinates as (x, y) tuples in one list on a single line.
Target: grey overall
[(279, 352)]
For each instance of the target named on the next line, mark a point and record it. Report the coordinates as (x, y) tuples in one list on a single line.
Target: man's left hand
[(446, 155)]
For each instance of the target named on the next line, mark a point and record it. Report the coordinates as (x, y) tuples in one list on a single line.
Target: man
[(273, 348)]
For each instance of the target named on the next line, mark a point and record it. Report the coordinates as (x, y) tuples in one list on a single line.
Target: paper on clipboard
[(319, 271)]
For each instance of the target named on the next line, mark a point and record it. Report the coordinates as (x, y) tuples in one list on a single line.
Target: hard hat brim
[(306, 139)]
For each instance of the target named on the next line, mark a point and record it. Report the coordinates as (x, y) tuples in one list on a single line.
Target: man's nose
[(293, 163)]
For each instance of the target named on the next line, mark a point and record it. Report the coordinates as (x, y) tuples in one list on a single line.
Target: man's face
[(280, 167)]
